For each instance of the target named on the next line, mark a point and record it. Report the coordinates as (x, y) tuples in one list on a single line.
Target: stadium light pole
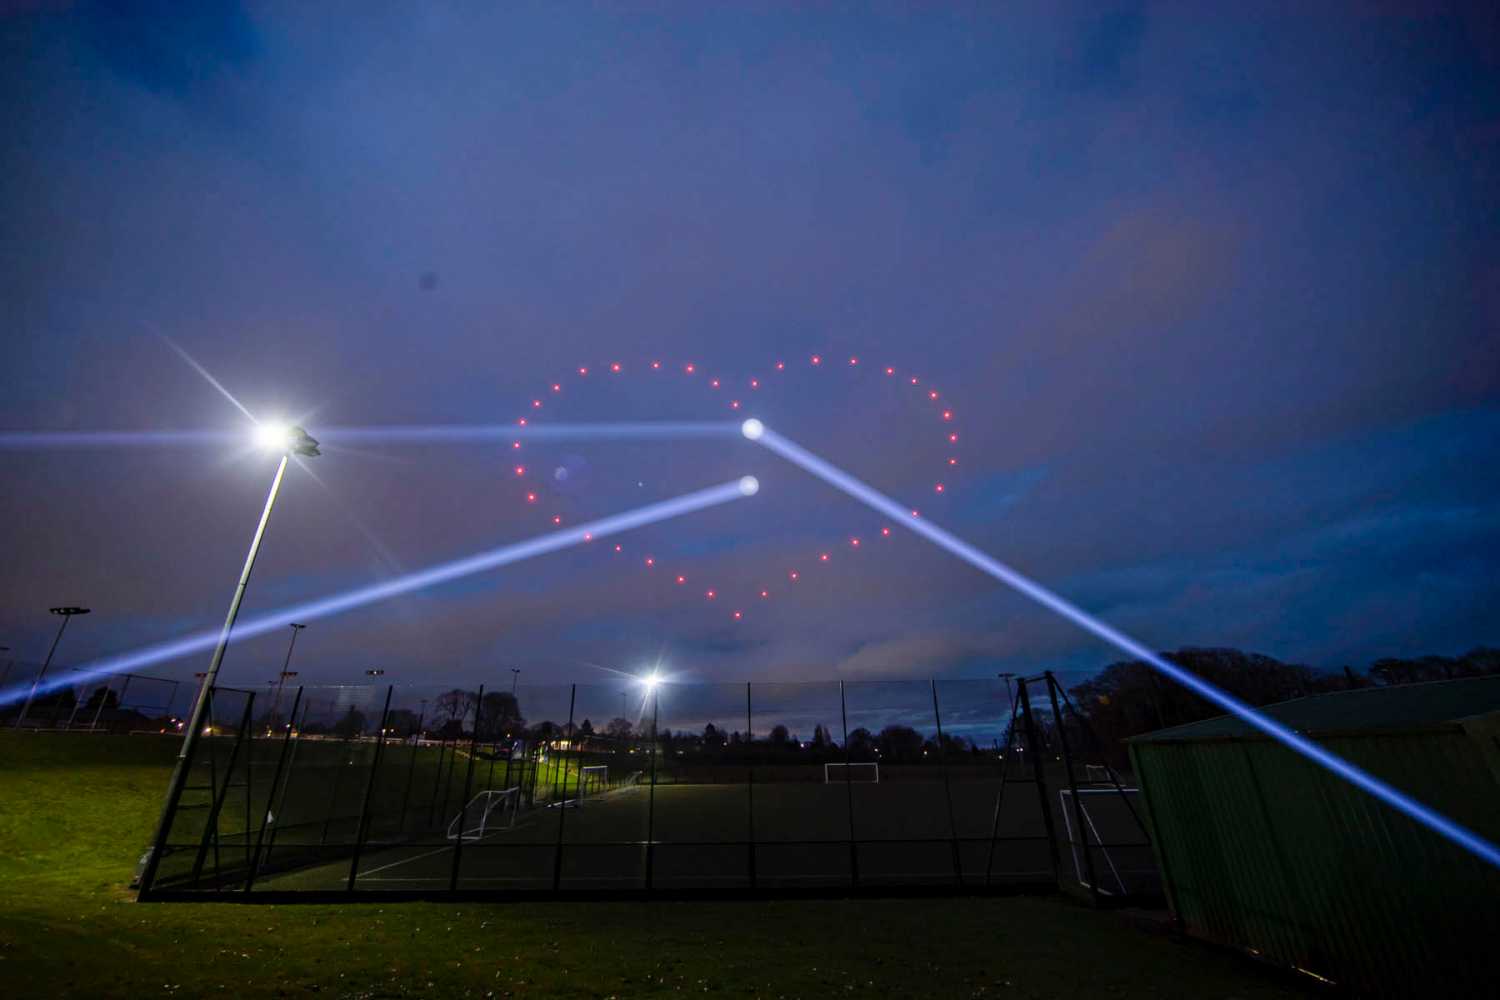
[(515, 675), (1010, 703), (288, 441), (67, 616), (286, 670)]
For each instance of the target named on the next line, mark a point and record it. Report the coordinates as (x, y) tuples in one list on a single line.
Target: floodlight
[(651, 680), (749, 486), (752, 429), (274, 436)]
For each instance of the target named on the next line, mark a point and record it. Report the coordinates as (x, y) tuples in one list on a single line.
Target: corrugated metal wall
[(1262, 850)]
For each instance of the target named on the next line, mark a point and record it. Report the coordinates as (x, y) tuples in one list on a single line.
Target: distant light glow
[(711, 595), (273, 435), (752, 428), (749, 486), (890, 371), (853, 361), (615, 367), (1428, 817), (681, 579), (651, 680), (714, 383), (738, 615), (817, 360), (781, 366)]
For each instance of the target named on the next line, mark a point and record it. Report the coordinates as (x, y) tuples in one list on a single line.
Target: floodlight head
[(752, 429), (749, 486), (274, 436), (651, 680)]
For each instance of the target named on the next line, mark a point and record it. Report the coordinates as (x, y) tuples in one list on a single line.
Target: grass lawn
[(77, 811)]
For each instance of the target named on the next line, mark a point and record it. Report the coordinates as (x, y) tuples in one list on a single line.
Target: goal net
[(593, 780), (851, 772), (487, 813)]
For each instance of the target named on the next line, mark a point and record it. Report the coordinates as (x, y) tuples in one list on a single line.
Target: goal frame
[(829, 779), (501, 807)]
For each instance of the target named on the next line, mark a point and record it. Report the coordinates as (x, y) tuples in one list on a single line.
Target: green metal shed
[(1262, 850)]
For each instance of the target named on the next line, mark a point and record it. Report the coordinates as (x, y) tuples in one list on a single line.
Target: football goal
[(487, 813), (593, 780), (851, 772)]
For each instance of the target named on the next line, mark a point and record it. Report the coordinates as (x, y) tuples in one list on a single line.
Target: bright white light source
[(651, 680), (752, 429), (749, 486), (273, 436)]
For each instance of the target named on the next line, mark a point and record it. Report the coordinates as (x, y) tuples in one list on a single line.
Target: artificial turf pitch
[(76, 811)]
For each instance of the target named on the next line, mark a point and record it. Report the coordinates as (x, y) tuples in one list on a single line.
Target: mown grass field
[(75, 813)]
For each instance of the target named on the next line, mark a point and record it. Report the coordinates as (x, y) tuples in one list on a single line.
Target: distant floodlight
[(651, 680), (752, 429), (749, 486)]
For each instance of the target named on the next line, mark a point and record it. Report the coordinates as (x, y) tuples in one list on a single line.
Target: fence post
[(1078, 818), (958, 867), (291, 762), (458, 845), (562, 803), (849, 791), (750, 783), (338, 779), (267, 817), (94, 723), (651, 800), (1023, 695), (363, 828), (210, 826)]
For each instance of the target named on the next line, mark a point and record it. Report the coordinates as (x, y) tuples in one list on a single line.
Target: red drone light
[(913, 380), (765, 593), (817, 360), (536, 404), (682, 579), (531, 498), (650, 561), (854, 361), (556, 519), (713, 382), (938, 488), (885, 532), (915, 514), (617, 548), (781, 366), (656, 366), (755, 383), (947, 414), (738, 616), (522, 421), (890, 371), (854, 542), (794, 574), (520, 470), (515, 444), (932, 394), (952, 461), (615, 367), (953, 438), (823, 557), (556, 387), (583, 371), (711, 595), (588, 536), (689, 368), (734, 404)]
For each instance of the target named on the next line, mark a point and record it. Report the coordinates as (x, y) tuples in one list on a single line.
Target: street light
[(67, 614), (515, 675), (285, 671), (288, 440)]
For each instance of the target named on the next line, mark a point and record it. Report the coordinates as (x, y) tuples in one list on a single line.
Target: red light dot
[(755, 383), (520, 470), (734, 404), (682, 579), (714, 382), (711, 595), (823, 557), (854, 542), (536, 404), (617, 548), (915, 514), (515, 444), (947, 414), (615, 367), (817, 360), (650, 561), (794, 574), (556, 387), (588, 536), (854, 361), (953, 438), (583, 371), (656, 366), (781, 366), (765, 593), (890, 371), (531, 498), (738, 616), (556, 519), (913, 380), (952, 461), (522, 421), (932, 394), (690, 369), (886, 532), (938, 488)]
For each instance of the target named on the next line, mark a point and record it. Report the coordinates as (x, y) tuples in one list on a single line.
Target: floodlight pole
[(67, 615), (285, 668), (200, 707)]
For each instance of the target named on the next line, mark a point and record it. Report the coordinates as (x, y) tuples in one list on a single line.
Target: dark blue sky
[(1215, 301)]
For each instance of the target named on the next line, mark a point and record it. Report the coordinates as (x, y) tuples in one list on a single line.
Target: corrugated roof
[(1404, 706)]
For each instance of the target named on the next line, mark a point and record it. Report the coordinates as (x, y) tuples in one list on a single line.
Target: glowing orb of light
[(749, 486), (273, 436), (752, 429)]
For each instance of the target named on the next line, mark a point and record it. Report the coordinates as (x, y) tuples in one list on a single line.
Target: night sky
[(1213, 303)]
